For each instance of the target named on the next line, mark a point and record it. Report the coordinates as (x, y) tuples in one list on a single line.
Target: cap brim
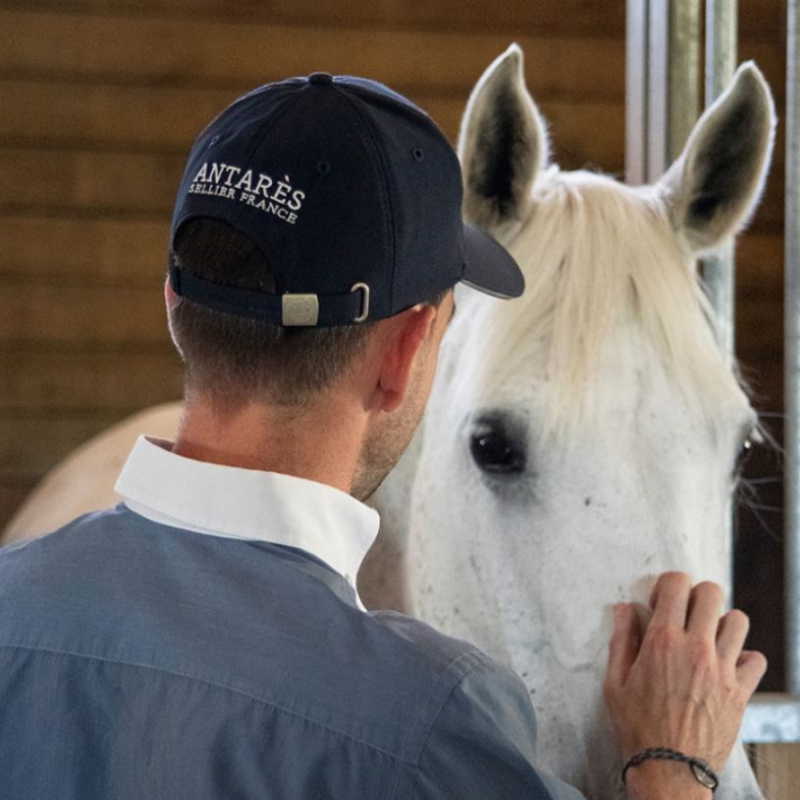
[(489, 266)]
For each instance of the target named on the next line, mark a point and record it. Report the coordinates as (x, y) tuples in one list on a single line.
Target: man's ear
[(403, 339), (170, 298)]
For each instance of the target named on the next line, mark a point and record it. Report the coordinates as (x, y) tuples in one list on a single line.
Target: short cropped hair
[(229, 358), (234, 361)]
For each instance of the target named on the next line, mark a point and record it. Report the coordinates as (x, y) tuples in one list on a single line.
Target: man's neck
[(321, 443)]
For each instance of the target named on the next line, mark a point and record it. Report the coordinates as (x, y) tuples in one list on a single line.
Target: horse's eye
[(495, 452), (743, 455)]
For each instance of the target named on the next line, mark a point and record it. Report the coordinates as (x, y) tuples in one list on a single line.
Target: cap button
[(320, 78)]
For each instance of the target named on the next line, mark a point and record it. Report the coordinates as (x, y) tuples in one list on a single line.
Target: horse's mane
[(600, 257)]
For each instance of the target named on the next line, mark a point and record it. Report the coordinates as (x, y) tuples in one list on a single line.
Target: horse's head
[(587, 435)]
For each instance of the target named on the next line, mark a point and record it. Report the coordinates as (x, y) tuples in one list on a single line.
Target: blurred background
[(100, 100)]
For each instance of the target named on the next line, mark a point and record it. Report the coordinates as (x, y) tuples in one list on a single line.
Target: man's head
[(316, 236), (233, 362)]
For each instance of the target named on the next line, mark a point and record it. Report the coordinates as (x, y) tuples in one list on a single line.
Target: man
[(205, 639)]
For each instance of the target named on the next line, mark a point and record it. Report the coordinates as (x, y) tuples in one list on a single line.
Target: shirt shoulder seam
[(464, 665)]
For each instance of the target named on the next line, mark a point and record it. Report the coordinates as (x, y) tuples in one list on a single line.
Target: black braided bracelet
[(700, 769)]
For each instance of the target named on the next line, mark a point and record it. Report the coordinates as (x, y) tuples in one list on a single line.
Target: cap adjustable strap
[(289, 310)]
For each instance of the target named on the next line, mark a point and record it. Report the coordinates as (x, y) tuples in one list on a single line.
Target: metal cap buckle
[(364, 302), (299, 310)]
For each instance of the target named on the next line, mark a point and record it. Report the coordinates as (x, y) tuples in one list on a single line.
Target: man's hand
[(682, 683)]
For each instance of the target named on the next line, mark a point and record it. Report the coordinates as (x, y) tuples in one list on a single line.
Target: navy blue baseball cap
[(352, 193)]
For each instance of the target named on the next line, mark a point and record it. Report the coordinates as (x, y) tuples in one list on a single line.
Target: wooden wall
[(100, 100)]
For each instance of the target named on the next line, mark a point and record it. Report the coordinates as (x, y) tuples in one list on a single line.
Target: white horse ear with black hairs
[(713, 188), (502, 145)]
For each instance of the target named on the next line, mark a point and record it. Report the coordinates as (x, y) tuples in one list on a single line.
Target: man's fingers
[(670, 600), (705, 606), (750, 669), (731, 635), (624, 645)]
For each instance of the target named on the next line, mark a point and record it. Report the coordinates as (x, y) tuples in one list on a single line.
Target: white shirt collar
[(248, 504)]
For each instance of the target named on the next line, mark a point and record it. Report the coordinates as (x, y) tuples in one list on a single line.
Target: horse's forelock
[(601, 258)]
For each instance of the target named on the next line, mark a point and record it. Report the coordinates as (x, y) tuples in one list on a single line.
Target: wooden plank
[(136, 50), (589, 134), (585, 17), (152, 118), (105, 251), (88, 317), (56, 382), (777, 767), (759, 316), (143, 182), (769, 215), (759, 266), (759, 330), (758, 19), (770, 56), (762, 19), (133, 49), (100, 182), (162, 119), (29, 446)]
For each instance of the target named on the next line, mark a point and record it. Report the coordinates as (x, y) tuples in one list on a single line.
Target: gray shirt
[(140, 660)]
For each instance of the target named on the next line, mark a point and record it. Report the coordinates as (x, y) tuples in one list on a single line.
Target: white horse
[(579, 440), (586, 435)]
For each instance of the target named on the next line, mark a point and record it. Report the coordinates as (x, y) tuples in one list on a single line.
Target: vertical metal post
[(719, 270), (663, 51), (637, 68), (658, 112), (792, 351), (684, 68)]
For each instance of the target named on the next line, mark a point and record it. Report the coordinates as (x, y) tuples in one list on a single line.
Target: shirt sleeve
[(482, 745)]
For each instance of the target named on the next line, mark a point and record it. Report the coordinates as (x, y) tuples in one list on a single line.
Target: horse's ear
[(502, 144), (713, 187)]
